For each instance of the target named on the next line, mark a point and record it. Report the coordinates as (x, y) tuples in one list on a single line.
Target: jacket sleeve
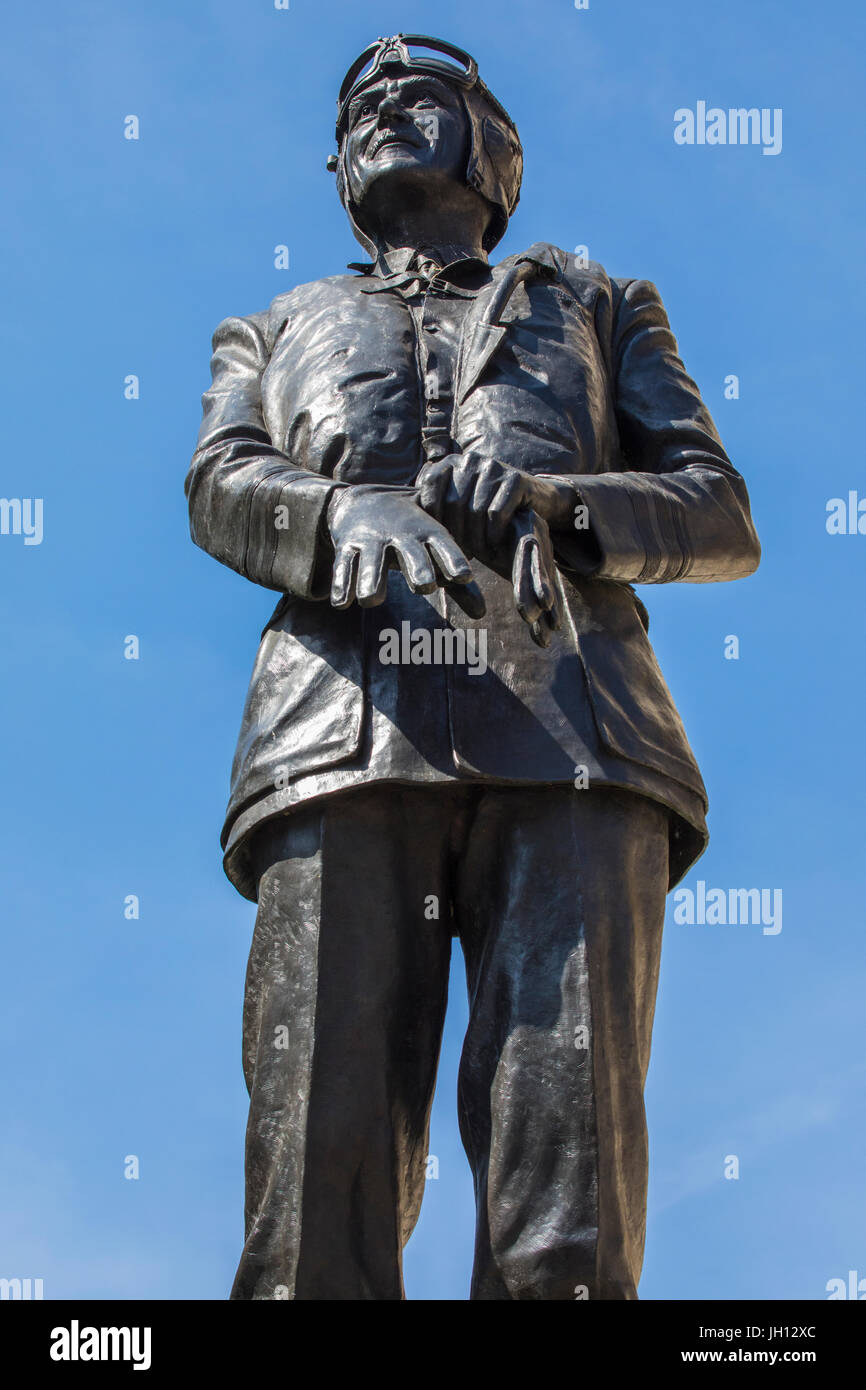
[(680, 510), (249, 505)]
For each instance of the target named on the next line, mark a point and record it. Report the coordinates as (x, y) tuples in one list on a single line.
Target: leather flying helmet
[(495, 165)]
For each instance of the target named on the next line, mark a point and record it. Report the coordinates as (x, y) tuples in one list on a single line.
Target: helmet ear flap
[(506, 156), (495, 167)]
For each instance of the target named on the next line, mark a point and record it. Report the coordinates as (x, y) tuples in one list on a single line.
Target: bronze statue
[(452, 472)]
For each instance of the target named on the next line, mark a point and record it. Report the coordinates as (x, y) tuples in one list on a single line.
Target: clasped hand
[(500, 515)]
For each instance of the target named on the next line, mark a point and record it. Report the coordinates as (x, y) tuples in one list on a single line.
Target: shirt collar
[(398, 261)]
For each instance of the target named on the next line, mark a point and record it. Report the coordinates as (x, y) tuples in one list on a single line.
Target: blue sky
[(123, 1037)]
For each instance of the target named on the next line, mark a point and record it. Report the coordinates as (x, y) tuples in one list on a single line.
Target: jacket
[(561, 371)]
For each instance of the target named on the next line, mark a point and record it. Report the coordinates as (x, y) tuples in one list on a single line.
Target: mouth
[(390, 137)]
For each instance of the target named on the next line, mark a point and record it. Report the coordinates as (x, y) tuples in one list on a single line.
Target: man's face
[(407, 128)]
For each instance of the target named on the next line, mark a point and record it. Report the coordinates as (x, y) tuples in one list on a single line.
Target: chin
[(399, 157)]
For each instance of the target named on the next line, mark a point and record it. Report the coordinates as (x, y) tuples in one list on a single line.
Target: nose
[(391, 109)]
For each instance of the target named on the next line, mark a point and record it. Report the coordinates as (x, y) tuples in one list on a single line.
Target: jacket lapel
[(481, 339), (482, 331)]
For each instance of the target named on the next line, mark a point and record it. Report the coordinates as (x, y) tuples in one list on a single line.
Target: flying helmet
[(495, 165)]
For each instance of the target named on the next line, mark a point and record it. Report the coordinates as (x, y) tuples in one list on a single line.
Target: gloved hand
[(375, 528), (532, 571), (476, 497)]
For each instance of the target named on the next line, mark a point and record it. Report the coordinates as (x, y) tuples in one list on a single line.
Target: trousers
[(557, 896)]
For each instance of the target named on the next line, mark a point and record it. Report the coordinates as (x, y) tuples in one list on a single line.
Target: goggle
[(395, 52)]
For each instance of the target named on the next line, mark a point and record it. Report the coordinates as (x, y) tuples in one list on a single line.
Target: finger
[(541, 582), (343, 577), (487, 483), (456, 501), (554, 614), (504, 503), (451, 564), (372, 583), (540, 633), (435, 480), (416, 567), (546, 588), (468, 597), (522, 581)]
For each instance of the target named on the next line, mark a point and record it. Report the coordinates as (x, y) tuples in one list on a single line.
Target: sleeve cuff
[(287, 539), (634, 542)]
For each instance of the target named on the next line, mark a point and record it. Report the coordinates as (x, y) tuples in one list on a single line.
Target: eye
[(362, 112)]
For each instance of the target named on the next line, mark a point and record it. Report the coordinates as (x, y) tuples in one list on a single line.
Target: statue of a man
[(453, 471)]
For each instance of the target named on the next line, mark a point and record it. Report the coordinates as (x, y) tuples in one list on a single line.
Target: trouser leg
[(560, 907), (345, 999)]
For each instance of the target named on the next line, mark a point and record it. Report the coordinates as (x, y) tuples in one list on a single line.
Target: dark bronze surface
[(434, 443)]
